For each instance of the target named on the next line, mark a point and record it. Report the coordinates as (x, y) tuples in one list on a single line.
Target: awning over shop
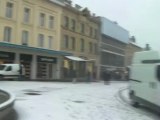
[(33, 49), (74, 58)]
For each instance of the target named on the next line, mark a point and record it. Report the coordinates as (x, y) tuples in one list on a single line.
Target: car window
[(2, 67), (9, 68), (158, 72)]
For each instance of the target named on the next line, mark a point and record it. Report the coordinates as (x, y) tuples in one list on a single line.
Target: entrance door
[(42, 70)]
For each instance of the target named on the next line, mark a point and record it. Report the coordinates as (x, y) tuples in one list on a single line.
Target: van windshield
[(2, 67)]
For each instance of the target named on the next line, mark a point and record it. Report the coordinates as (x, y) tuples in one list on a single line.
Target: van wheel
[(135, 104)]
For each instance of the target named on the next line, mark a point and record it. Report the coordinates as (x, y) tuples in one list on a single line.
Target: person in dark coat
[(106, 77)]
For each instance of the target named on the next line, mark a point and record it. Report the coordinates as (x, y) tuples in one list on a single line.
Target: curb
[(7, 105)]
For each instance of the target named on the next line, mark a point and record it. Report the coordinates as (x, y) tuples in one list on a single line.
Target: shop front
[(79, 68), (39, 63), (26, 60), (46, 67), (6, 57)]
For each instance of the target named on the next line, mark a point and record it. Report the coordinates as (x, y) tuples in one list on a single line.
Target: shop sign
[(46, 59), (7, 55)]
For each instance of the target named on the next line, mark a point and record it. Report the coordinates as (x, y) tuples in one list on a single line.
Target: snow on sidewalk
[(67, 101)]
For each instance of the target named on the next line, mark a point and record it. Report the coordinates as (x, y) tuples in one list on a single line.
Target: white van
[(11, 71), (145, 79)]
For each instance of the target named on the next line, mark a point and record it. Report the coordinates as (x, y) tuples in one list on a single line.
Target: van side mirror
[(158, 72)]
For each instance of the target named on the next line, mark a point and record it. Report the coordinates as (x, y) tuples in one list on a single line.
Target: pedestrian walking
[(106, 77)]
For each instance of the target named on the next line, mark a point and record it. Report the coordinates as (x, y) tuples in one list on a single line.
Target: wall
[(36, 7), (113, 30)]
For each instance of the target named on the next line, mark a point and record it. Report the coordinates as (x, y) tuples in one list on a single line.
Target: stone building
[(114, 40), (30, 35)]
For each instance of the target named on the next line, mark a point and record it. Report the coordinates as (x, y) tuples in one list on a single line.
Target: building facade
[(31, 36), (80, 36), (114, 40)]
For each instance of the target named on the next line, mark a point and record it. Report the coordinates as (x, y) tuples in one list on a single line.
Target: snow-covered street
[(73, 101)]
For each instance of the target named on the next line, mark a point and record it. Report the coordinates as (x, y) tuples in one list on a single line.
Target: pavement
[(73, 101)]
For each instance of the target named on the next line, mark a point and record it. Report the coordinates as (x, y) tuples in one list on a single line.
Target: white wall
[(114, 30)]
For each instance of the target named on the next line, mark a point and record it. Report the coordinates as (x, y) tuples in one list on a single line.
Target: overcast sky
[(140, 17)]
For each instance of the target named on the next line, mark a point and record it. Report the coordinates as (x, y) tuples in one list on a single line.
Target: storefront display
[(45, 67), (26, 60), (6, 57)]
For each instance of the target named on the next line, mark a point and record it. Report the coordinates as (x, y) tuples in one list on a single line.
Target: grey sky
[(140, 17)]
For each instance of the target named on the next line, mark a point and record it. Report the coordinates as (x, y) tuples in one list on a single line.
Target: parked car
[(11, 71)]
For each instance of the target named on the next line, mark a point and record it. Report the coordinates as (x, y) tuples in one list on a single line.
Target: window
[(25, 36), (40, 40), (2, 67), (66, 41), (73, 43), (50, 42), (9, 68), (26, 15), (82, 28), (91, 31), (7, 34), (42, 20), (73, 24), (82, 45), (158, 72), (151, 61), (66, 22), (95, 34), (95, 48), (51, 22), (90, 47), (9, 10)]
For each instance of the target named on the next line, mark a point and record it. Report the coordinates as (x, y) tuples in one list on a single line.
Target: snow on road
[(68, 101)]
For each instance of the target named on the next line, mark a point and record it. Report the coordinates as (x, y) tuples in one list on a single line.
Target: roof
[(133, 43), (145, 55), (34, 49)]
